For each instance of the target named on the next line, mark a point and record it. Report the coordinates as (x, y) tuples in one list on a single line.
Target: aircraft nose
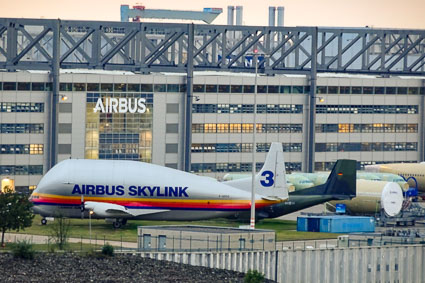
[(373, 168)]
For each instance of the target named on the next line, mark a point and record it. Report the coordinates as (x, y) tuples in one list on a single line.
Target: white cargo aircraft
[(413, 173), (118, 190)]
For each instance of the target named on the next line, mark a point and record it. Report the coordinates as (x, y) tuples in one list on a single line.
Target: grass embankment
[(285, 229)]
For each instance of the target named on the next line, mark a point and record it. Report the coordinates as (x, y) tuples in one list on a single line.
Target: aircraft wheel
[(43, 221), (117, 224), (124, 221)]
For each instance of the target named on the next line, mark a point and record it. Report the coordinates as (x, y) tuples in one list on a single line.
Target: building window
[(36, 149), (37, 86), (146, 87), (79, 87), (21, 128), (160, 88), (236, 88), (24, 86), (120, 87), (332, 89), (21, 107), (9, 85), (21, 169), (173, 88), (224, 88), (366, 109), (21, 149), (133, 87), (248, 108), (93, 87), (106, 87), (236, 167), (366, 146), (242, 147), (211, 88), (198, 88), (248, 89), (273, 89), (247, 128), (285, 89)]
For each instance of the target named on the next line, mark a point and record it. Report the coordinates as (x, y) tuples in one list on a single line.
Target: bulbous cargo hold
[(118, 189), (372, 196)]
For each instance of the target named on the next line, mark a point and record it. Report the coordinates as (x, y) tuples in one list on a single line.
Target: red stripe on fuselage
[(166, 203)]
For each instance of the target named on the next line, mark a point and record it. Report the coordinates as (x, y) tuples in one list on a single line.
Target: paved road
[(293, 216), (38, 239)]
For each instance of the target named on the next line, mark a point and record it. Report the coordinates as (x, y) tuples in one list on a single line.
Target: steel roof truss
[(75, 45)]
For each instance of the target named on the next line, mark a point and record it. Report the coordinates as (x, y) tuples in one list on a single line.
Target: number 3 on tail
[(268, 182)]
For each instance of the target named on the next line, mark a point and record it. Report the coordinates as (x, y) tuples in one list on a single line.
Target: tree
[(60, 230), (15, 212)]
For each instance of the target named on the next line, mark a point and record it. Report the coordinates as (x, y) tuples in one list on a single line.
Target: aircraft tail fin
[(341, 182), (270, 182)]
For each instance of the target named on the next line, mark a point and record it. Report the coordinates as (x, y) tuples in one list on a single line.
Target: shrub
[(253, 276), (23, 249), (108, 250)]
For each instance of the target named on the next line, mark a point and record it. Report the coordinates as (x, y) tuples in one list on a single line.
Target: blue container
[(335, 224), (302, 224), (308, 223), (346, 224)]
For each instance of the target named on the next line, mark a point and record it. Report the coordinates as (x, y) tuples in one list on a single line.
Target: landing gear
[(118, 223), (43, 221)]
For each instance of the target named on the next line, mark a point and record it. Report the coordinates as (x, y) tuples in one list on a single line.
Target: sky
[(407, 14)]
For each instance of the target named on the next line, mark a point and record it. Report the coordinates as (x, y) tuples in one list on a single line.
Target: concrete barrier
[(355, 264)]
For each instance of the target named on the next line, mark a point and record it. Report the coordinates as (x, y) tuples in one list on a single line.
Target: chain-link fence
[(49, 243), (209, 243)]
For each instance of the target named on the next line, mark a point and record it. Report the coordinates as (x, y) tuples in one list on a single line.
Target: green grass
[(285, 229)]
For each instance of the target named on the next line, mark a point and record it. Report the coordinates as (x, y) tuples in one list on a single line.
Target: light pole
[(254, 146)]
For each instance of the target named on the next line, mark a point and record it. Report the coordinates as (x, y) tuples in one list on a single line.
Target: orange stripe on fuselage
[(154, 202)]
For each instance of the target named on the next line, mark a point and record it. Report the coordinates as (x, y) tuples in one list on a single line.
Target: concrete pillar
[(280, 16), (230, 15), (272, 17), (239, 15)]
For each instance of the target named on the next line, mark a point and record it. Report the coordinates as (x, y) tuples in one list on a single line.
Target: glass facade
[(237, 167), (114, 135), (367, 128), (246, 128), (242, 147)]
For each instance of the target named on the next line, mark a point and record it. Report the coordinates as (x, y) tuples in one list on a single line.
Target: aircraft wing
[(110, 210)]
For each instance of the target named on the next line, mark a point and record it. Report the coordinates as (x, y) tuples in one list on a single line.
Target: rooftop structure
[(208, 15)]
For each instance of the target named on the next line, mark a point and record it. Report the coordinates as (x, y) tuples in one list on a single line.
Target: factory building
[(123, 115)]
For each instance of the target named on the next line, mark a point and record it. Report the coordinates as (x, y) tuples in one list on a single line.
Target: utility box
[(203, 238)]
